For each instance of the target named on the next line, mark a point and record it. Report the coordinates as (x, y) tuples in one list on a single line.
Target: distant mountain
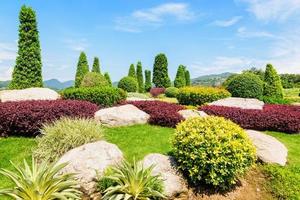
[(4, 84), (52, 83), (211, 80)]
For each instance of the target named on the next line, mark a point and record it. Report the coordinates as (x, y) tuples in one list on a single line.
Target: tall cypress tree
[(140, 78), (160, 71), (96, 65), (107, 77), (187, 78), (148, 84), (131, 71), (82, 69), (273, 87), (180, 77), (28, 69)]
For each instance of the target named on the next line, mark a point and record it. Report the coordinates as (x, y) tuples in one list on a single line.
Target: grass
[(292, 94)]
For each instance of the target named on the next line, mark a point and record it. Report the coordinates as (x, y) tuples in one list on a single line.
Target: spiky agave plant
[(40, 182), (133, 182)]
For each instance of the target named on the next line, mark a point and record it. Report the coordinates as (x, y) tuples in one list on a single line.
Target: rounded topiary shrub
[(129, 84), (171, 92), (93, 79), (246, 85), (212, 150)]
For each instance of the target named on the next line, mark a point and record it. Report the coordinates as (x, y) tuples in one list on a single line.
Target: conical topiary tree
[(180, 77), (160, 71), (96, 65), (131, 71), (106, 75), (187, 78), (82, 69), (273, 87), (140, 78), (148, 84), (28, 69)]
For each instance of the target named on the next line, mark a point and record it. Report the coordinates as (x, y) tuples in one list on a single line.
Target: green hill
[(211, 80)]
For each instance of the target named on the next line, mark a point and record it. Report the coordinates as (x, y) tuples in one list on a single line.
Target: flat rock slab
[(174, 184), (268, 148), (89, 160), (122, 116), (243, 103), (191, 113), (29, 94)]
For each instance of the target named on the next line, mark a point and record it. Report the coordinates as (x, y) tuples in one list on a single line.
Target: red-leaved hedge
[(161, 113), (283, 118), (155, 92), (26, 117)]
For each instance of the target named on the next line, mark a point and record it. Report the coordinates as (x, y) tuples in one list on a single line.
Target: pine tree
[(148, 84), (96, 65), (140, 78), (160, 71), (82, 69), (28, 69), (180, 77), (187, 78), (273, 87), (106, 75), (131, 71)]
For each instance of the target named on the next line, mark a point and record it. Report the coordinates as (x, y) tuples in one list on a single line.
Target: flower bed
[(281, 118), (161, 113), (26, 118)]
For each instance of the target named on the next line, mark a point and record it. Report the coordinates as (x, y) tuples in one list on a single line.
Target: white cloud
[(245, 33), (77, 45), (5, 73), (7, 52), (268, 10), (227, 23), (154, 17)]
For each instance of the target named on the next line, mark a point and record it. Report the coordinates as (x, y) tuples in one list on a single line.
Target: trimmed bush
[(171, 92), (155, 92), (200, 95), (161, 113), (96, 66), (140, 78), (26, 117), (160, 71), (129, 84), (104, 96), (82, 69), (212, 150), (282, 118), (148, 83), (187, 78), (247, 85), (65, 134), (131, 71), (94, 79), (107, 77), (180, 77), (273, 87)]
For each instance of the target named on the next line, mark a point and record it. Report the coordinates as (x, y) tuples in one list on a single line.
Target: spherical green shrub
[(246, 85), (212, 150), (94, 79), (171, 92), (129, 84)]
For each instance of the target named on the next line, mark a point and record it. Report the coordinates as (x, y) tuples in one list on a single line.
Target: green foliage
[(160, 72), (65, 134), (228, 80), (96, 65), (140, 78), (270, 100), (171, 92), (40, 181), (180, 77), (187, 78), (290, 80), (138, 95), (107, 77), (28, 69), (82, 69), (246, 85), (105, 96), (132, 182), (128, 83), (148, 83), (259, 72), (93, 79), (196, 95), (273, 87), (213, 150), (131, 71)]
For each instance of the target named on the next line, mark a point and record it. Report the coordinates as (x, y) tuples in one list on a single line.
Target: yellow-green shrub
[(197, 95), (212, 150)]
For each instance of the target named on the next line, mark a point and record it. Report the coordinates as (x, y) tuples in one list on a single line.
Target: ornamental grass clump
[(64, 135), (213, 151)]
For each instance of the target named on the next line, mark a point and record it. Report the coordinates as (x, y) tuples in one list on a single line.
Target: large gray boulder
[(29, 94), (191, 113), (268, 148), (174, 184), (121, 116), (90, 160), (244, 103)]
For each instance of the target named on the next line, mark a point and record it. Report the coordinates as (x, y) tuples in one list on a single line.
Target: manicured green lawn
[(292, 94)]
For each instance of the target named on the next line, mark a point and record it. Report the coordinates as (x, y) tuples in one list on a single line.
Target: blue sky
[(208, 36)]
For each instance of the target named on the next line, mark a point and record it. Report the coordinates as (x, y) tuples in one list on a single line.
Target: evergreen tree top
[(96, 65)]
